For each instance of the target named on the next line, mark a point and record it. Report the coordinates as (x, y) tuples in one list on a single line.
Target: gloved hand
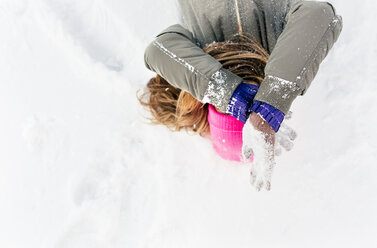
[(258, 138)]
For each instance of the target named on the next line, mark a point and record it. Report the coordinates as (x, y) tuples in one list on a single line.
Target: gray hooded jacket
[(297, 34)]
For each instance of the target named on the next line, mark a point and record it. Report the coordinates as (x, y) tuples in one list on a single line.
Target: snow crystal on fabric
[(219, 77), (216, 89), (278, 84)]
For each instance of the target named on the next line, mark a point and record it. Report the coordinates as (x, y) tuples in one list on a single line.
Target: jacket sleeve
[(310, 32), (176, 57)]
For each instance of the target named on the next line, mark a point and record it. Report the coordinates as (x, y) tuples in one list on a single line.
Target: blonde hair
[(177, 109)]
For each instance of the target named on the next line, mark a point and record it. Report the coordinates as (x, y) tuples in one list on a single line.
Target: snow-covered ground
[(80, 166)]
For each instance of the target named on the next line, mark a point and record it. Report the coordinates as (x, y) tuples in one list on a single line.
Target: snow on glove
[(258, 140), (241, 101)]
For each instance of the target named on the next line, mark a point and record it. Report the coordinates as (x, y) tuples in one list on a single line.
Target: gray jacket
[(297, 34)]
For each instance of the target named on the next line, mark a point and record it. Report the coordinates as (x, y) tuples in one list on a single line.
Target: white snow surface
[(80, 166)]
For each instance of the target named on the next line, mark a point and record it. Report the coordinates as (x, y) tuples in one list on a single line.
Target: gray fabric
[(216, 20), (175, 56), (298, 34), (311, 30)]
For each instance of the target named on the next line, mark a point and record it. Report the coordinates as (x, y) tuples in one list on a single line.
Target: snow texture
[(81, 167), (216, 89), (254, 142), (279, 83)]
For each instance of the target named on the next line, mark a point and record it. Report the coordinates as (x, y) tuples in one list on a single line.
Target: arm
[(175, 56), (311, 30)]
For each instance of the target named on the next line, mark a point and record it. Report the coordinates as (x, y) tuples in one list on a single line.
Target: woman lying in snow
[(234, 70)]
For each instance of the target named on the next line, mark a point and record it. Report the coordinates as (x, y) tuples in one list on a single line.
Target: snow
[(80, 166), (255, 142), (217, 90), (279, 83)]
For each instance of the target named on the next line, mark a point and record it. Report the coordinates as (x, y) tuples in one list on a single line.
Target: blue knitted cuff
[(272, 115), (241, 101)]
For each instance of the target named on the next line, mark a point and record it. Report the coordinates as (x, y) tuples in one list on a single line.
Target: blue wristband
[(272, 115), (241, 101)]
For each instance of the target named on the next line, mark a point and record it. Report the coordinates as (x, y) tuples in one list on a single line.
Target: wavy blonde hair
[(177, 109)]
